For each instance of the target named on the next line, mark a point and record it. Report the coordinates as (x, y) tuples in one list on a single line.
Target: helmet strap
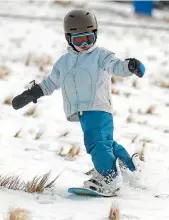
[(68, 38)]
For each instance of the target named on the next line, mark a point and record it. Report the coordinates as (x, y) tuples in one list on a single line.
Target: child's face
[(81, 49), (83, 41)]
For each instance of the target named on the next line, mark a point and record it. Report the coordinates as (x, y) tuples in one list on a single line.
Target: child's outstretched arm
[(46, 87), (114, 66)]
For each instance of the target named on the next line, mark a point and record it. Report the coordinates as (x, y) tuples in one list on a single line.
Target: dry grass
[(134, 84), (114, 113), (164, 84), (166, 18), (142, 152), (74, 151), (8, 101), (69, 152), (61, 152), (18, 214), (28, 60), (11, 182), (115, 92), (18, 133), (31, 111), (38, 60), (134, 139), (42, 62), (150, 110), (38, 135), (114, 212), (146, 141), (42, 68), (3, 72), (116, 79), (38, 184), (64, 134)]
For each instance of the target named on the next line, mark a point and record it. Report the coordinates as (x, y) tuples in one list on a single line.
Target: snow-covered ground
[(28, 49)]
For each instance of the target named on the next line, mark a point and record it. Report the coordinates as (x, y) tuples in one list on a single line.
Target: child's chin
[(85, 48), (80, 49)]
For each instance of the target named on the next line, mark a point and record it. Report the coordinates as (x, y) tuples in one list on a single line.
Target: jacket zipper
[(77, 95)]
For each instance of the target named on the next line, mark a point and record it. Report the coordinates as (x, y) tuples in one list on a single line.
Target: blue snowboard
[(88, 192)]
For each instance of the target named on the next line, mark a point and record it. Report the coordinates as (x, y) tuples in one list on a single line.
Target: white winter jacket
[(85, 80)]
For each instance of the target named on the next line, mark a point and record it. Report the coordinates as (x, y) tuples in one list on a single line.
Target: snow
[(26, 39)]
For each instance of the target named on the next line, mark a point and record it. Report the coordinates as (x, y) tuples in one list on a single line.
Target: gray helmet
[(79, 21)]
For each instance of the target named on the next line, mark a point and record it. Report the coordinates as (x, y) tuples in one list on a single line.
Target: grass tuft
[(8, 101), (115, 92), (142, 152), (18, 133), (150, 110), (114, 212), (31, 111), (134, 84), (65, 134), (42, 62), (164, 84), (11, 182), (37, 185), (68, 151), (28, 59), (116, 79), (60, 151), (3, 72), (134, 139), (74, 151), (38, 135), (18, 214)]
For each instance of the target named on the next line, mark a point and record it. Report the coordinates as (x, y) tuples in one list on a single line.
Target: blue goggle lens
[(85, 39)]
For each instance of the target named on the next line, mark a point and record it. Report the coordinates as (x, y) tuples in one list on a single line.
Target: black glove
[(30, 95), (136, 67)]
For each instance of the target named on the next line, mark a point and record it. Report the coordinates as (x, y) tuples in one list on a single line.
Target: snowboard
[(88, 192)]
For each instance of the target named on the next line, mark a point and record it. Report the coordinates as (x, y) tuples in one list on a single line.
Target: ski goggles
[(84, 39)]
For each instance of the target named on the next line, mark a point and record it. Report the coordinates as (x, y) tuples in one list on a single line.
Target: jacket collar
[(70, 50)]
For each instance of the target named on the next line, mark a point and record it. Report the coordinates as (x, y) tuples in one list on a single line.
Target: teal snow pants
[(98, 129)]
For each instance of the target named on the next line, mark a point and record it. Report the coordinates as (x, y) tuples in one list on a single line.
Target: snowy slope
[(22, 44)]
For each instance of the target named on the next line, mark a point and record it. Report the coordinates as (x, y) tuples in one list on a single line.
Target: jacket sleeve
[(53, 80), (112, 65)]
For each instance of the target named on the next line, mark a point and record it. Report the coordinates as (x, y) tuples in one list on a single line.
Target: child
[(84, 75)]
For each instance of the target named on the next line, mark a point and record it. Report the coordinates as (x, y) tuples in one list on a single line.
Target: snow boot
[(107, 185)]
